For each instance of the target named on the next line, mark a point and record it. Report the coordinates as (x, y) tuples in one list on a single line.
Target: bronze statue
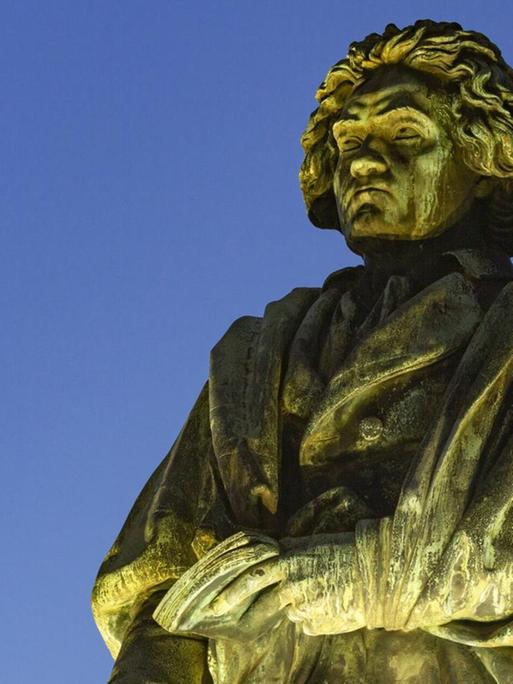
[(338, 506)]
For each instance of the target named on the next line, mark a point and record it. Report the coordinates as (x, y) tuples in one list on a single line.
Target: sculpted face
[(399, 175)]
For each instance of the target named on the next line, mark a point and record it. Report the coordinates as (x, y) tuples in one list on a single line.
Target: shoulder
[(281, 318), (294, 304)]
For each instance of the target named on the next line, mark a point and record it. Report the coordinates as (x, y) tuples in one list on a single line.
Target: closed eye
[(407, 134), (349, 144)]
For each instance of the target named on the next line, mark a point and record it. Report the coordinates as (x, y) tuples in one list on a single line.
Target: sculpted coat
[(413, 393)]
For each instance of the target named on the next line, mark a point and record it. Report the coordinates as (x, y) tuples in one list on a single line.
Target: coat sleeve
[(181, 512)]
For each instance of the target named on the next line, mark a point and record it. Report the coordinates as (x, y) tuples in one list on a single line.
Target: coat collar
[(483, 264)]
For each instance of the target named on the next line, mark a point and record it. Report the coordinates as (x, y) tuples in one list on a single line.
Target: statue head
[(414, 129)]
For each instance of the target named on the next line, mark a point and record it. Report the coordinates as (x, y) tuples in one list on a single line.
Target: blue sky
[(148, 196)]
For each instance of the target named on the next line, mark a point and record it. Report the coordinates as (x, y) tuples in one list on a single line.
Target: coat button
[(371, 428)]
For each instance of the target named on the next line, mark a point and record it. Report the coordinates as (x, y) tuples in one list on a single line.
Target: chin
[(369, 234), (370, 225)]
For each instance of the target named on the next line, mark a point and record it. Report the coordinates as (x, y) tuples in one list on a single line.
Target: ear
[(484, 187)]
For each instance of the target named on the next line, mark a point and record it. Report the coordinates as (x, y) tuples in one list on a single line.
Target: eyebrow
[(390, 102), (403, 101), (390, 110), (343, 127)]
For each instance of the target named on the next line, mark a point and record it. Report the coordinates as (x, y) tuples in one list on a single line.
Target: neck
[(422, 260)]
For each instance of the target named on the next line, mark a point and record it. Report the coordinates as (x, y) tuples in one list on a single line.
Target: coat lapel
[(427, 328)]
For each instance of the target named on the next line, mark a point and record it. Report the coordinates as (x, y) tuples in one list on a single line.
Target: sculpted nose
[(367, 165)]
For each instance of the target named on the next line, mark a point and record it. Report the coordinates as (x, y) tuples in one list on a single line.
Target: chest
[(377, 436)]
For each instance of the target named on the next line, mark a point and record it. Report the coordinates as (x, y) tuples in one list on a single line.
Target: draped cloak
[(394, 421)]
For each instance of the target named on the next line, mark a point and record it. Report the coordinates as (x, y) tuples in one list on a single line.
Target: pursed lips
[(357, 192)]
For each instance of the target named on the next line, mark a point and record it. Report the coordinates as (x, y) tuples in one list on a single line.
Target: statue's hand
[(315, 582), (335, 510)]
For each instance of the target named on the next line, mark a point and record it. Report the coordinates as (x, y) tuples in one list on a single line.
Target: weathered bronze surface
[(338, 506)]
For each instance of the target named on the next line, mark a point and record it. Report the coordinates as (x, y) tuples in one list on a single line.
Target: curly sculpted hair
[(479, 87)]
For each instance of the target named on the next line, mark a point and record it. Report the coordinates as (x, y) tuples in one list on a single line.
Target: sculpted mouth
[(367, 189), (363, 199)]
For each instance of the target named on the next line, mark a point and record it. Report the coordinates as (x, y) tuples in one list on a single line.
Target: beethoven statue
[(338, 505)]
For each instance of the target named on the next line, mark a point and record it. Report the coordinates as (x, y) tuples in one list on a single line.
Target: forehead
[(388, 90)]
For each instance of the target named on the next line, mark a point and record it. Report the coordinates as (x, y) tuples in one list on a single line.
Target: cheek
[(433, 187), (340, 177), (341, 181)]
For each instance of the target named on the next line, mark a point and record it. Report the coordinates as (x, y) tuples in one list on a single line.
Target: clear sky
[(148, 197)]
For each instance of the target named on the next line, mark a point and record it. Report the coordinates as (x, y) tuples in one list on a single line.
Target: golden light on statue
[(338, 505)]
